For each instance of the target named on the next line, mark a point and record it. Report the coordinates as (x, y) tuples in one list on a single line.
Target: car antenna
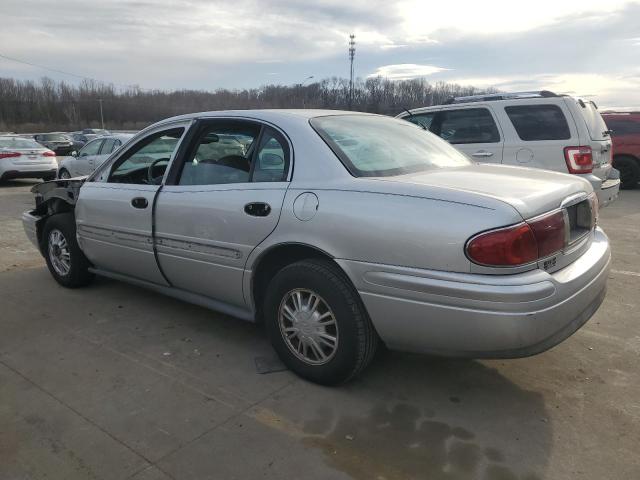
[(411, 115)]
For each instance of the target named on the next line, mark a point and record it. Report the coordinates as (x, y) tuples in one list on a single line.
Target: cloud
[(406, 71)]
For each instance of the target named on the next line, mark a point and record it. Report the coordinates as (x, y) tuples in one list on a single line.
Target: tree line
[(48, 105)]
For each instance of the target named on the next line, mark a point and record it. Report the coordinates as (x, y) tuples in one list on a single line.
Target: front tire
[(629, 171), (64, 174), (317, 323), (65, 260)]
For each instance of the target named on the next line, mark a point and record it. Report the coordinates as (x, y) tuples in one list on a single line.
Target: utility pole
[(352, 54), (101, 116)]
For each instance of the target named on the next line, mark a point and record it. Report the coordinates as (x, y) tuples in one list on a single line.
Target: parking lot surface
[(115, 382)]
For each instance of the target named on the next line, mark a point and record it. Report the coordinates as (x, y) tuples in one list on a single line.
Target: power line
[(24, 62)]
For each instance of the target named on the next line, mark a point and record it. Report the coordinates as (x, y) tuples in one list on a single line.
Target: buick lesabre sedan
[(339, 231)]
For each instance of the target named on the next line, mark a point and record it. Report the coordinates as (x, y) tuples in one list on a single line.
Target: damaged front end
[(58, 196)]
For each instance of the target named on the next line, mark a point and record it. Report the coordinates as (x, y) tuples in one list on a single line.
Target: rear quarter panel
[(387, 228)]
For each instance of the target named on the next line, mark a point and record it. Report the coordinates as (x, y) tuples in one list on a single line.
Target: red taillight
[(579, 159), (549, 233), (504, 247), (520, 244), (9, 154), (48, 153)]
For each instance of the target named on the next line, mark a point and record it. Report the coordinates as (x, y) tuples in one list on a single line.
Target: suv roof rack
[(500, 96)]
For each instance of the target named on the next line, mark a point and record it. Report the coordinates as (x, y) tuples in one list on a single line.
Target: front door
[(114, 210), (220, 204), (473, 131)]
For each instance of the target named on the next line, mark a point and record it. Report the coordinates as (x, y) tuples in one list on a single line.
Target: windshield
[(374, 146), (17, 142)]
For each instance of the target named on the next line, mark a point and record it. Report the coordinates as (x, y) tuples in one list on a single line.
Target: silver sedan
[(339, 231)]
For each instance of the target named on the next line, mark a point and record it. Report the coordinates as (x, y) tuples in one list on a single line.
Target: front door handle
[(257, 209), (139, 202), (482, 154)]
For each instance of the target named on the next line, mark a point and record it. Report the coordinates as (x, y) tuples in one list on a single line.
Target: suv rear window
[(539, 122)]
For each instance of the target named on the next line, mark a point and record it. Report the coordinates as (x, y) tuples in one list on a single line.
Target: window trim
[(438, 118)]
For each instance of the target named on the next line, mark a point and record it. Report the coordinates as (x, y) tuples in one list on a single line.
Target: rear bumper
[(27, 173), (482, 316), (606, 190)]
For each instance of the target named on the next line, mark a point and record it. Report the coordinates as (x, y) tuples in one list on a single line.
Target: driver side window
[(147, 160)]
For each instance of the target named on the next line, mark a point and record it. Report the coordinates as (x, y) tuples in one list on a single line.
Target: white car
[(91, 156), (25, 158), (528, 129)]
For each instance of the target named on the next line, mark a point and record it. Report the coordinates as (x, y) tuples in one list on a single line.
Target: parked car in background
[(528, 129), (339, 230), (58, 142), (79, 139), (96, 131), (625, 127), (91, 155), (25, 158)]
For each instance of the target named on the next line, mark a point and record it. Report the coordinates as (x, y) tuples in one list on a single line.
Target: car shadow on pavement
[(414, 416)]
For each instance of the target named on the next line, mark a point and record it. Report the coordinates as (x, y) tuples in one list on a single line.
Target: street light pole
[(300, 85), (101, 116)]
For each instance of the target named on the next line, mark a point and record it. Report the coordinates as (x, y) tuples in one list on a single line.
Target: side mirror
[(74, 154)]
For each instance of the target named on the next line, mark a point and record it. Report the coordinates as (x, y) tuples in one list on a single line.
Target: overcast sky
[(586, 47)]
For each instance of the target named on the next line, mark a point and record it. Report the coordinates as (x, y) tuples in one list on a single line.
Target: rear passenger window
[(539, 122), (469, 125)]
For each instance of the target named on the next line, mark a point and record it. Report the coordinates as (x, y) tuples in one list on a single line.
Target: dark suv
[(626, 145)]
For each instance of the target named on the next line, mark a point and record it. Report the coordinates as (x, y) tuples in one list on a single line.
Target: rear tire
[(629, 171), (339, 314), (65, 260)]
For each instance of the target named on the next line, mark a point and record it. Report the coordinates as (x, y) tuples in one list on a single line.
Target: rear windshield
[(372, 146), (539, 122), (16, 142), (53, 137), (595, 124)]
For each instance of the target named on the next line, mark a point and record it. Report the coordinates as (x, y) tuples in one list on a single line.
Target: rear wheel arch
[(275, 259), (629, 167)]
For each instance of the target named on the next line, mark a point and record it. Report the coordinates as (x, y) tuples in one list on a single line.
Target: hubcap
[(308, 326), (59, 252)]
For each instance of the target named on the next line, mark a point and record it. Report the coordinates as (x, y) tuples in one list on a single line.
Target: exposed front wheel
[(65, 260), (317, 323)]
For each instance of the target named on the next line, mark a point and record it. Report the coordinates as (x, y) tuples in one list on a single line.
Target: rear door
[(220, 204), (472, 130), (114, 210)]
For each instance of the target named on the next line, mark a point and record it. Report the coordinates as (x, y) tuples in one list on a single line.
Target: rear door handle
[(257, 209), (139, 202), (482, 154)]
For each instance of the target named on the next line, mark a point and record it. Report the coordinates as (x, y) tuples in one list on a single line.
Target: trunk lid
[(530, 192)]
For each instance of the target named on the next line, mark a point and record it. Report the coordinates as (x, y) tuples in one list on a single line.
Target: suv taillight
[(520, 244), (579, 159), (9, 154)]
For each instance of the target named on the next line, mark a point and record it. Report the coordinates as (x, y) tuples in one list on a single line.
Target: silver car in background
[(339, 231), (91, 155), (25, 158)]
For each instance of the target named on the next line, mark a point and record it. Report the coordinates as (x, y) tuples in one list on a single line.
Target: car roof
[(266, 114)]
